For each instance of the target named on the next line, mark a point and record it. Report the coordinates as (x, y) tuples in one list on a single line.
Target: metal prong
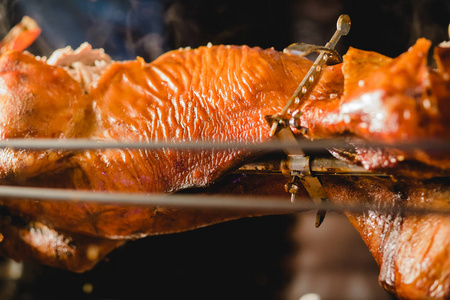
[(306, 49), (274, 129), (275, 123), (301, 49), (320, 216), (293, 197), (292, 187), (342, 28)]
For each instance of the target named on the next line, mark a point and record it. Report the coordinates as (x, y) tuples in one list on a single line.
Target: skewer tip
[(343, 24), (320, 217)]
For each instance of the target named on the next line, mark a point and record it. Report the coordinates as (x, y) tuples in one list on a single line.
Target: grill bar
[(88, 144), (256, 203)]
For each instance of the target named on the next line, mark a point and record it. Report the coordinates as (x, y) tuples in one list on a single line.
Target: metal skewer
[(254, 203), (88, 144), (300, 171), (342, 29)]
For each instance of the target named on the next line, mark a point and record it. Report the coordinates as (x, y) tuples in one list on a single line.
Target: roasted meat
[(164, 100), (412, 250), (223, 93), (31, 107), (390, 101), (152, 96)]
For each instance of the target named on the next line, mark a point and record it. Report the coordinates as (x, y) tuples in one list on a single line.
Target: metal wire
[(88, 144), (212, 201), (256, 203)]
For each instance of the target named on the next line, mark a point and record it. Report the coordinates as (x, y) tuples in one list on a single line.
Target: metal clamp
[(297, 165), (303, 49)]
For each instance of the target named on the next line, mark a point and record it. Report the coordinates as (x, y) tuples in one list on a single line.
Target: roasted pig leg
[(24, 239)]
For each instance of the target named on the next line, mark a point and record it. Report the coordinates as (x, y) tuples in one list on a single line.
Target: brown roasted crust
[(136, 221), (37, 101), (219, 93), (385, 99), (74, 229), (34, 241)]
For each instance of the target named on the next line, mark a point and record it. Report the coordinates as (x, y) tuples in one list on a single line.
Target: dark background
[(130, 28)]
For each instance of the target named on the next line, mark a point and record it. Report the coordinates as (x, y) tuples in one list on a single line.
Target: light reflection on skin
[(370, 107)]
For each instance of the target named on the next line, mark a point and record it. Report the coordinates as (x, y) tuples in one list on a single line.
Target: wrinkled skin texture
[(222, 94)]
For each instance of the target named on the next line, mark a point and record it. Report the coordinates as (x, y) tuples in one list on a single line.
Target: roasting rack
[(319, 166), (295, 165)]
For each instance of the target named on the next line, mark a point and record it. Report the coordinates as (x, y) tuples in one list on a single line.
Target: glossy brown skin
[(412, 250), (37, 101), (25, 239), (389, 101), (38, 242), (205, 94), (138, 91)]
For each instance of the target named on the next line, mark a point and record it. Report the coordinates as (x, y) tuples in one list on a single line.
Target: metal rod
[(319, 166), (121, 198), (254, 203), (89, 144)]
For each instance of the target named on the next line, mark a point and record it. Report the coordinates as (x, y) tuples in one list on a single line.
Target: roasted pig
[(223, 93)]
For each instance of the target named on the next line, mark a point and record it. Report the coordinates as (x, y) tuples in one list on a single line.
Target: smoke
[(183, 30), (145, 31), (148, 28), (125, 29)]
